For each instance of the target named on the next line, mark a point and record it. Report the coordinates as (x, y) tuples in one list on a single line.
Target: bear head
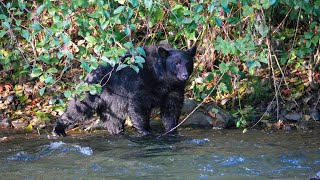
[(176, 64)]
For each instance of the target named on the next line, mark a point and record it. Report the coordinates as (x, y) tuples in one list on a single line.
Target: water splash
[(198, 141), (53, 148)]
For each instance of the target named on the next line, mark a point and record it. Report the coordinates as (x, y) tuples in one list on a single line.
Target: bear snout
[(184, 76)]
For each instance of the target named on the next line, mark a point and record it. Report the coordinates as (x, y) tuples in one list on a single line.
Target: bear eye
[(177, 63)]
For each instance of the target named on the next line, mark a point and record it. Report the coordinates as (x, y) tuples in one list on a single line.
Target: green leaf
[(222, 87), (118, 10), (148, 3), (247, 10), (52, 11), (211, 8), (127, 31), (52, 70), (141, 51), (135, 3), (135, 68), (130, 13), (65, 39), (106, 13), (210, 77), (85, 66), (41, 91), (6, 25), (67, 94), (198, 8), (215, 110), (26, 35), (22, 5), (39, 10), (91, 39), (252, 64), (224, 3), (139, 59), (223, 67), (60, 54), (263, 29), (2, 33), (48, 79), (218, 21), (271, 2), (315, 40), (95, 89), (128, 45), (308, 35), (36, 71), (36, 26), (121, 66), (238, 125)]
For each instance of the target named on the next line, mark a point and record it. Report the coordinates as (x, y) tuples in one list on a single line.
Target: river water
[(193, 154)]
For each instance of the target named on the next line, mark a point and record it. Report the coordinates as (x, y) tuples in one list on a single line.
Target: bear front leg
[(113, 124), (77, 111), (139, 116), (170, 110)]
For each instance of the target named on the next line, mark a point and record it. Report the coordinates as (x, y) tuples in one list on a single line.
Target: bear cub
[(160, 83)]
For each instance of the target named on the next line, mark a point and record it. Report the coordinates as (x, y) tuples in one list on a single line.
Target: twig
[(109, 73), (263, 113), (314, 108), (282, 21)]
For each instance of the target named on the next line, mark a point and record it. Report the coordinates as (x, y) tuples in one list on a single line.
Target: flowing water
[(194, 154)]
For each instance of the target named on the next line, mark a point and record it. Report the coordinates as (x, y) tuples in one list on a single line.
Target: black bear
[(160, 83)]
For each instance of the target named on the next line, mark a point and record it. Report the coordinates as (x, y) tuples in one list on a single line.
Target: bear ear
[(163, 53), (192, 50)]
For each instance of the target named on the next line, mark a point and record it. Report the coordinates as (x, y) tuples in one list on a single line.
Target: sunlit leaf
[(135, 68), (2, 33), (91, 39), (118, 10), (128, 45), (222, 87), (148, 3), (139, 59), (218, 21), (67, 94), (238, 124), (198, 8), (29, 127), (224, 3), (41, 91), (39, 9), (223, 67), (36, 26), (85, 66), (6, 25), (141, 51), (127, 31), (135, 3), (36, 71)]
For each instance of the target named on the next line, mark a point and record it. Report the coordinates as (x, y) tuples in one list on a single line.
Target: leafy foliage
[(56, 43)]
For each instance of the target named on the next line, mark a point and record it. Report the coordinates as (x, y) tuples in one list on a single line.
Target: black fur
[(160, 83)]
